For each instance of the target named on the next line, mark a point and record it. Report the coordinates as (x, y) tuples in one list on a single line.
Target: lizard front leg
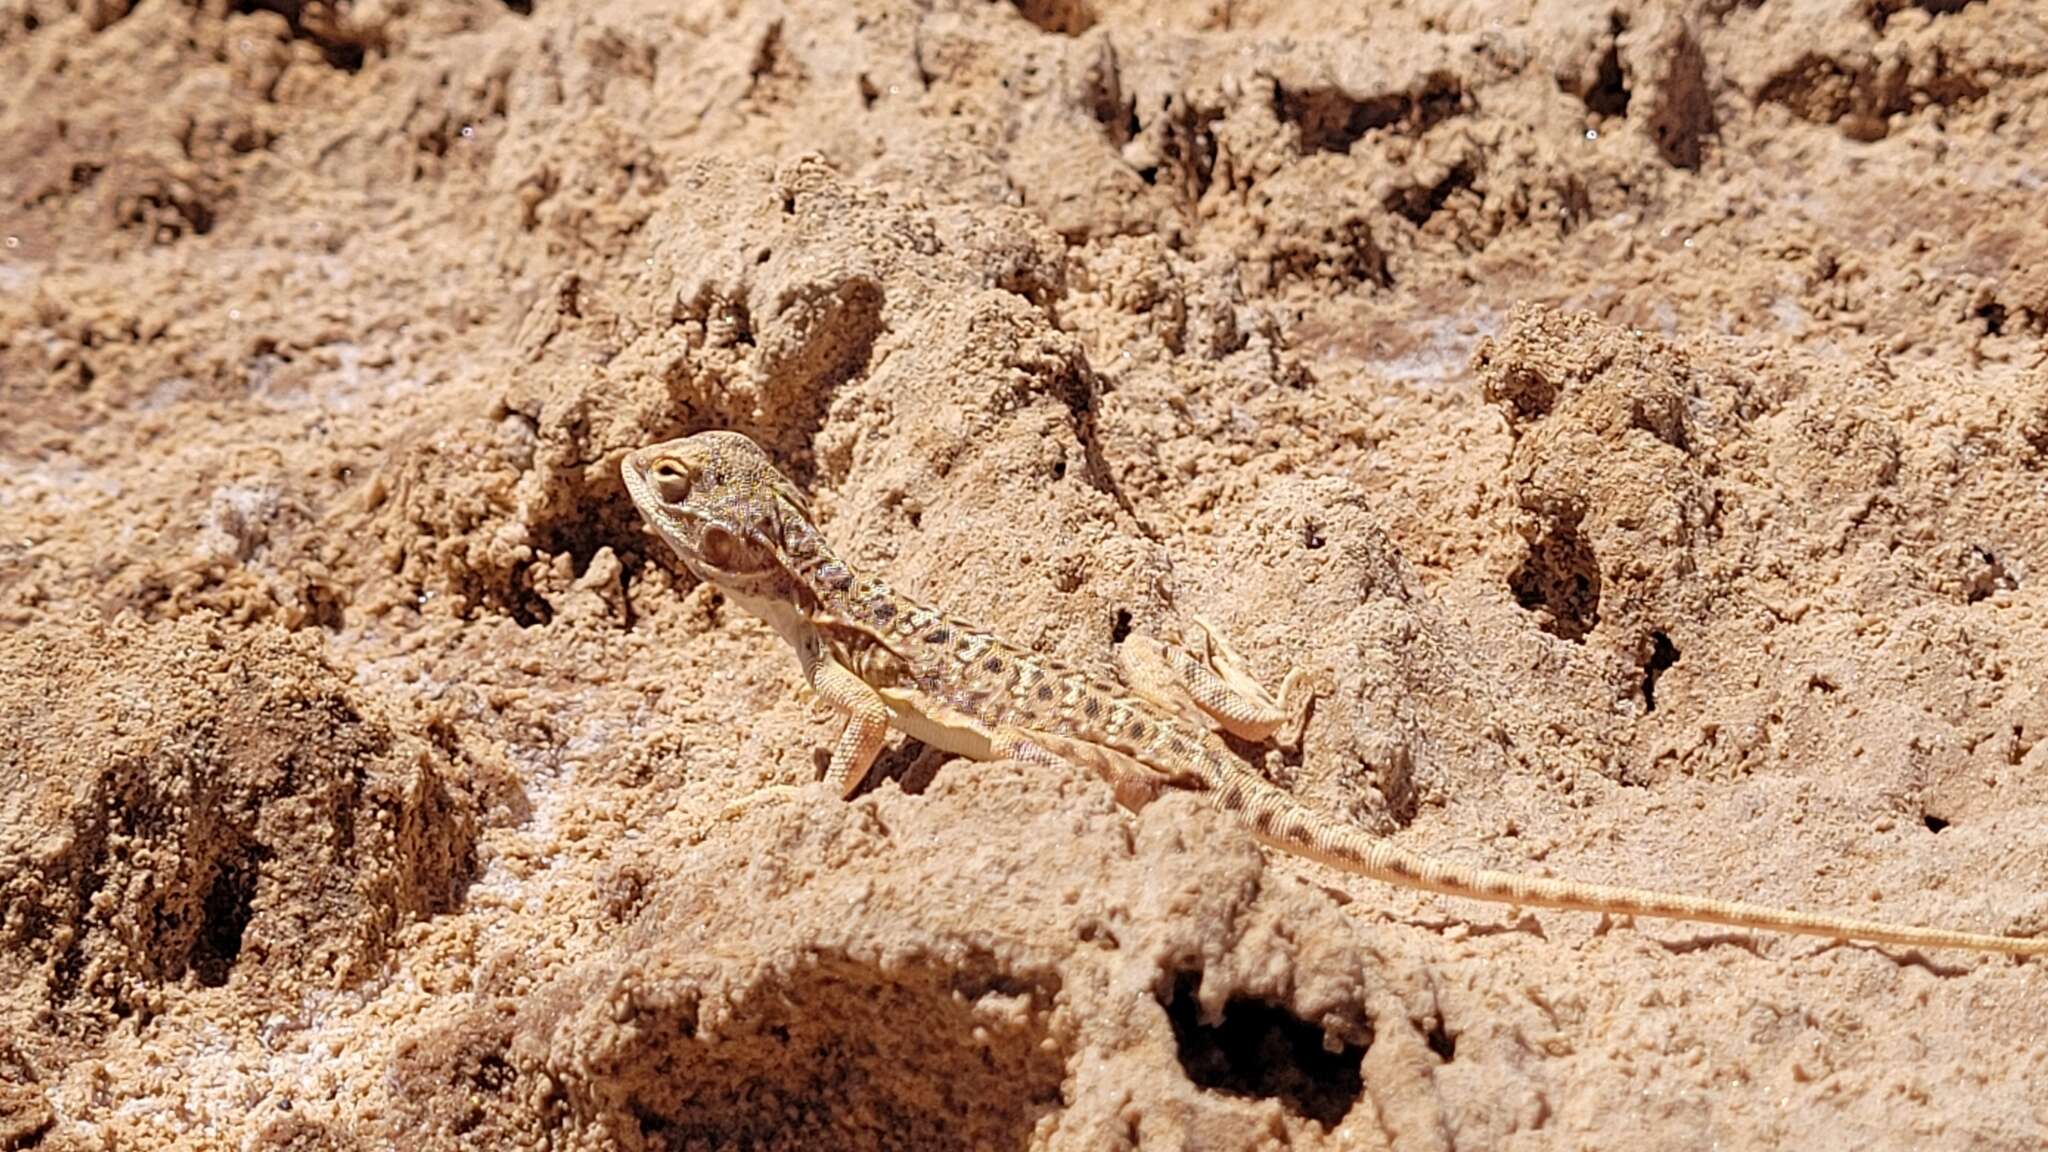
[(867, 724)]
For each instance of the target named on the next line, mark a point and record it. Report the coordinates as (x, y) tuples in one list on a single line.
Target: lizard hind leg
[(1151, 670), (1213, 676)]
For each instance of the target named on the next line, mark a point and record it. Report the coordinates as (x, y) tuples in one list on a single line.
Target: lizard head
[(718, 501)]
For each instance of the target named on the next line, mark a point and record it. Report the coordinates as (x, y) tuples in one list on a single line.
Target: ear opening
[(718, 547)]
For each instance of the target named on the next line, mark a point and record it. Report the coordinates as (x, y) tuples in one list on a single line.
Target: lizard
[(883, 660)]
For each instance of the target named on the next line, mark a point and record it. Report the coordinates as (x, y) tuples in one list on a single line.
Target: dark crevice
[(1609, 94), (1330, 120), (1078, 390), (1880, 12), (1560, 579), (167, 213), (1441, 1042), (1860, 98), (1934, 823), (815, 1057), (1529, 392), (1419, 204), (1993, 316), (1120, 628), (487, 1081), (1186, 150), (1102, 94), (1663, 654), (913, 767), (1263, 1051), (773, 61), (67, 974), (527, 607), (224, 917), (322, 25), (1061, 17)]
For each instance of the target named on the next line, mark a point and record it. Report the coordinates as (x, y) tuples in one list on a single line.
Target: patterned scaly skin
[(884, 661)]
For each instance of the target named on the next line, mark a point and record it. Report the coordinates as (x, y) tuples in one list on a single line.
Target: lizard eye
[(673, 480)]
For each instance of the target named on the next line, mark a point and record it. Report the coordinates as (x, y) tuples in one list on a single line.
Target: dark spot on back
[(1137, 729), (1263, 819), (1182, 748), (994, 664), (938, 636), (1092, 706), (884, 611), (1045, 692)]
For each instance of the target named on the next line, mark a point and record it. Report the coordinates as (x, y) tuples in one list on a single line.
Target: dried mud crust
[(191, 807), (905, 981), (1633, 417)]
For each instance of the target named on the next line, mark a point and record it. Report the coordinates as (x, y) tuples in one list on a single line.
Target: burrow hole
[(1609, 94), (1663, 654), (225, 914), (1261, 1050), (1441, 1042), (1559, 580)]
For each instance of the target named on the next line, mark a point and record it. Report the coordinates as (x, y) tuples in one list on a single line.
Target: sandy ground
[(1635, 417)]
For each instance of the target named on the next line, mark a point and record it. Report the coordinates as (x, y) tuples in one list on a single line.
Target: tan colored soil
[(1634, 416)]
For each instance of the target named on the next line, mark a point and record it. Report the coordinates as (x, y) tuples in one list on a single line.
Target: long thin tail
[(1282, 822)]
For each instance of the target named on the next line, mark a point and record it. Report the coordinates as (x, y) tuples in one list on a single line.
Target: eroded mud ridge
[(1634, 417)]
